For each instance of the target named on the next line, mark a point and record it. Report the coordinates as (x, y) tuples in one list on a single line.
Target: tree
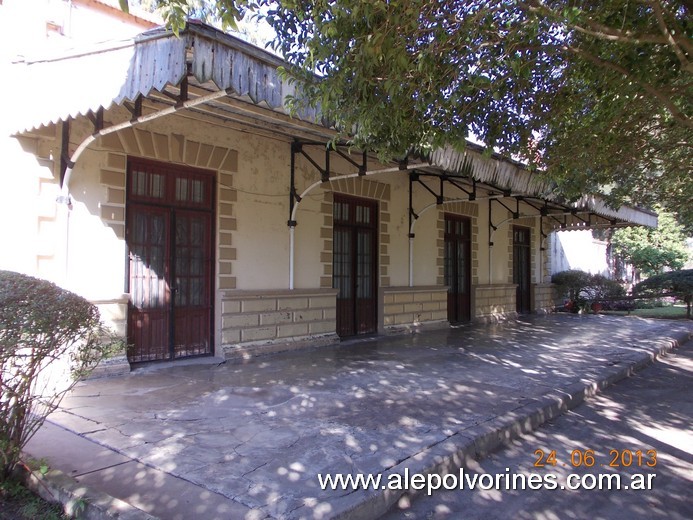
[(678, 283), (652, 250), (596, 94)]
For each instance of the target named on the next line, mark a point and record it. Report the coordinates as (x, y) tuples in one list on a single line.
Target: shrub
[(571, 284), (676, 283), (600, 287), (49, 339), (581, 288)]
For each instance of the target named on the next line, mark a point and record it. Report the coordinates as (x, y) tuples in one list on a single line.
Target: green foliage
[(571, 284), (581, 288), (679, 283), (596, 94), (19, 503), (652, 250), (600, 287), (49, 339)]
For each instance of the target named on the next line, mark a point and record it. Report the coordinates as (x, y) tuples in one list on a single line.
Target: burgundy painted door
[(169, 235), (522, 268), (457, 268), (150, 292), (354, 264)]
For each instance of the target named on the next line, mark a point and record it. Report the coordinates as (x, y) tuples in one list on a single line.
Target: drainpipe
[(64, 197), (490, 244), (411, 260), (292, 249)]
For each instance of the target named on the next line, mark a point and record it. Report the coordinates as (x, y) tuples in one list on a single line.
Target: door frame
[(353, 226), (523, 294), (458, 313), (167, 204)]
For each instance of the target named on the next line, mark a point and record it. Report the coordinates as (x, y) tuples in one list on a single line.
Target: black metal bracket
[(65, 162), (413, 177), (97, 119), (541, 233), (297, 147), (183, 94), (506, 207), (135, 109), (362, 167), (324, 172), (293, 196), (491, 227)]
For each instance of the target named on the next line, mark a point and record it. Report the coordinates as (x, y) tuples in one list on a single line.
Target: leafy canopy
[(594, 93), (652, 250)]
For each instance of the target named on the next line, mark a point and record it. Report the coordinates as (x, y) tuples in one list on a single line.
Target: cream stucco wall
[(262, 238), (310, 219), (425, 248), (252, 244), (27, 233), (93, 247)]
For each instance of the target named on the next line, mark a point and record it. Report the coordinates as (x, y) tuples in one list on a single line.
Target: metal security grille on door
[(169, 235), (457, 268), (354, 264)]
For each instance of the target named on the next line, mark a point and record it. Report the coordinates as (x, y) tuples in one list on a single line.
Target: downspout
[(411, 232), (490, 243), (292, 221), (292, 249), (64, 197)]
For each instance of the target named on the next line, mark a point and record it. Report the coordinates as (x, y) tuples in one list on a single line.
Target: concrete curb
[(77, 500), (456, 451)]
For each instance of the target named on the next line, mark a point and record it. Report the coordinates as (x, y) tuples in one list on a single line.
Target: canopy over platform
[(208, 72)]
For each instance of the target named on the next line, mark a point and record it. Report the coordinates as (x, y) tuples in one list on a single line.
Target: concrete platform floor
[(220, 440)]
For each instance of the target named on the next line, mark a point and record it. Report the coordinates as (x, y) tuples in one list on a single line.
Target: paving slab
[(248, 440)]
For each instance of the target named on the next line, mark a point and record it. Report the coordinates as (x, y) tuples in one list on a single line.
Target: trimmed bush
[(49, 339), (571, 284), (600, 287)]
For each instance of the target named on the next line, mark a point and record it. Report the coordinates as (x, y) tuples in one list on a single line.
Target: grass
[(671, 312), (18, 503)]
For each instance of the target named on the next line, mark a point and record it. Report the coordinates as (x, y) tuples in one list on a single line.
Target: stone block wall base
[(113, 366), (249, 350), (414, 328), (496, 318)]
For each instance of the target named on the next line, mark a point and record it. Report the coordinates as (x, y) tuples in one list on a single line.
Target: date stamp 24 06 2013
[(588, 458)]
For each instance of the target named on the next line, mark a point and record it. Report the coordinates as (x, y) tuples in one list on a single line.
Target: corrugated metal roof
[(510, 175), (69, 85), (56, 88)]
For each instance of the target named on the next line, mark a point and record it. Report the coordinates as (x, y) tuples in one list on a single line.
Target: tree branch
[(668, 103), (657, 8), (604, 32)]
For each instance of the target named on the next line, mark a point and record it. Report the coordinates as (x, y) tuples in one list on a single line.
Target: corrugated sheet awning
[(512, 176), (54, 89), (70, 85)]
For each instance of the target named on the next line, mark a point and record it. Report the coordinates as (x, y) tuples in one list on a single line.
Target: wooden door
[(457, 268), (354, 264), (522, 268), (169, 232)]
